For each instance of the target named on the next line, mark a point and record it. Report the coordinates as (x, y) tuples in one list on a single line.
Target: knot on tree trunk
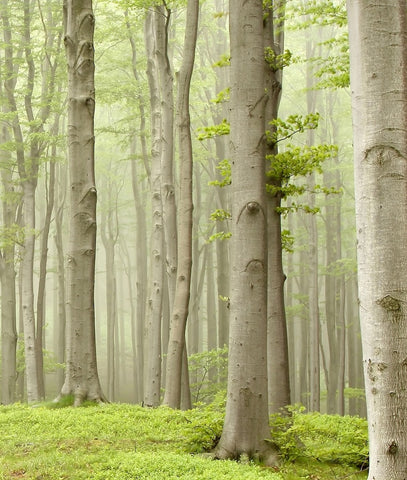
[(253, 207), (389, 303)]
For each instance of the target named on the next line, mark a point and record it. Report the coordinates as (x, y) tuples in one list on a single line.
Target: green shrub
[(326, 438), (205, 424), (208, 372)]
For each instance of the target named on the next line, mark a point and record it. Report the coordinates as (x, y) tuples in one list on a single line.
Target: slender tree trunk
[(313, 304), (277, 348), (8, 285), (176, 344), (81, 375), (162, 24), (43, 270), (313, 286), (141, 274), (60, 323), (109, 234), (152, 372), (378, 46)]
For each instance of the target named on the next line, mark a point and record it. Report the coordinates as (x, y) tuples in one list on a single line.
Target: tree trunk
[(277, 348), (109, 235), (176, 344), (378, 46), (81, 375), (8, 284), (60, 321), (246, 422), (152, 372), (162, 24)]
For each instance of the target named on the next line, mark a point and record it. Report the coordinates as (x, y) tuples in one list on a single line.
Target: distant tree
[(9, 230), (81, 374), (377, 35)]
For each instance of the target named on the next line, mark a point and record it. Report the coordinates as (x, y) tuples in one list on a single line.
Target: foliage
[(331, 69), (209, 369), (206, 423), (113, 441), (277, 62), (325, 438), (285, 129), (49, 360), (222, 128), (120, 441), (225, 171), (295, 162)]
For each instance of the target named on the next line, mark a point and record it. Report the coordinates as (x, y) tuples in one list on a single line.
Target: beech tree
[(176, 346), (246, 423), (377, 34), (81, 374), (8, 276)]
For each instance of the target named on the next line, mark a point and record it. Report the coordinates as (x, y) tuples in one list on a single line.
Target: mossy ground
[(128, 442)]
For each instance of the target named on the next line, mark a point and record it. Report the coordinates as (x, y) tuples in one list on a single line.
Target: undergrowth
[(128, 442)]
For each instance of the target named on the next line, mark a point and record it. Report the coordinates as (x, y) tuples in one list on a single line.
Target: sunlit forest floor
[(123, 442)]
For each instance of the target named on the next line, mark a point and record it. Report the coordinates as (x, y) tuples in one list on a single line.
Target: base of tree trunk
[(79, 399), (268, 456)]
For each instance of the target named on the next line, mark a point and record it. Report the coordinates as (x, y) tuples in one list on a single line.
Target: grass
[(128, 442)]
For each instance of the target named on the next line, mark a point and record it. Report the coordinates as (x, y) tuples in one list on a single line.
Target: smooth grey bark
[(153, 349), (277, 349), (246, 423), (60, 321), (28, 177), (141, 275), (313, 304), (81, 373), (8, 278), (162, 25), (141, 229), (378, 67), (176, 344), (313, 284), (110, 234)]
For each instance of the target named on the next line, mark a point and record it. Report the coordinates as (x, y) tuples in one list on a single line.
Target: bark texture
[(152, 374), (81, 375), (176, 344), (246, 423), (378, 41), (277, 347)]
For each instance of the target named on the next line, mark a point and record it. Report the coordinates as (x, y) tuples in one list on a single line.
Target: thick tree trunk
[(81, 375), (176, 344), (378, 46), (246, 422)]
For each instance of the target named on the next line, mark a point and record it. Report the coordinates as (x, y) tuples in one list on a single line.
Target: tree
[(246, 422), (8, 276), (176, 345), (377, 34), (152, 386), (81, 374), (277, 347)]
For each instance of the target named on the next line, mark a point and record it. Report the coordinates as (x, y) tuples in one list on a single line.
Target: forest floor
[(128, 442)]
